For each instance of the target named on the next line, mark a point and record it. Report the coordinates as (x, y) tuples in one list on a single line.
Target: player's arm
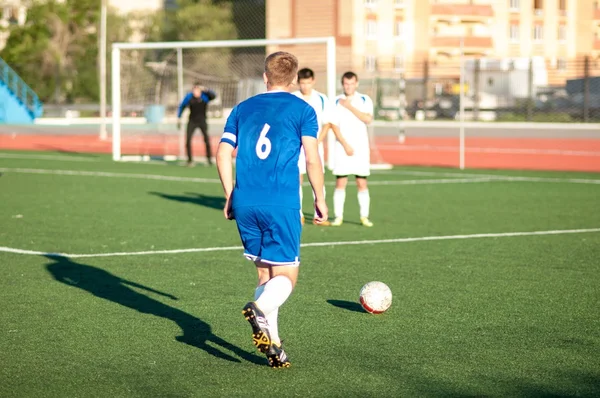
[(225, 160), (208, 95), (364, 117), (225, 168), (314, 167), (182, 106), (338, 136), (323, 133), (333, 124)]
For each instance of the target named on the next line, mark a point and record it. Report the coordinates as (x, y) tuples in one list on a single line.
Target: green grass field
[(127, 315)]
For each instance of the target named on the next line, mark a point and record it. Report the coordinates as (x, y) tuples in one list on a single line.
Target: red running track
[(485, 153)]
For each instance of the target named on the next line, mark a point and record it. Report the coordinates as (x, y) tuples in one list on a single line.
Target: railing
[(20, 89)]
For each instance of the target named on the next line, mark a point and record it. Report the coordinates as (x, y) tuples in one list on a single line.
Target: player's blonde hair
[(281, 68)]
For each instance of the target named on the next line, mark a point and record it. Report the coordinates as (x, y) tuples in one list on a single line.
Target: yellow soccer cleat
[(366, 222), (277, 357), (260, 328)]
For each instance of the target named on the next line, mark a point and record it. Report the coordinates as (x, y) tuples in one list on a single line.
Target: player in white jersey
[(353, 111), (323, 108)]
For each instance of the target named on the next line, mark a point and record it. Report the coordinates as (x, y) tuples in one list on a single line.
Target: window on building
[(514, 4), (399, 63), (370, 3), (561, 64), (370, 63), (538, 7), (371, 29), (562, 5), (514, 32), (538, 32), (399, 29), (562, 33)]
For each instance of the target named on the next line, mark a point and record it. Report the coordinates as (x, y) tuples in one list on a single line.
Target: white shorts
[(358, 164), (302, 159)]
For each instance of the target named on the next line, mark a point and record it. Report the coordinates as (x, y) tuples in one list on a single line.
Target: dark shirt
[(197, 105)]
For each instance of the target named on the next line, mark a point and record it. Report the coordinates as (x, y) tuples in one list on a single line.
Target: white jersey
[(356, 134), (320, 104), (322, 107)]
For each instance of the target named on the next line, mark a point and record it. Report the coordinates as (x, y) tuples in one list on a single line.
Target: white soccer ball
[(375, 297)]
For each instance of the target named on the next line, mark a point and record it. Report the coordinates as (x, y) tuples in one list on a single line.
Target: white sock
[(271, 318), (315, 197), (277, 290), (364, 202), (339, 198), (273, 328)]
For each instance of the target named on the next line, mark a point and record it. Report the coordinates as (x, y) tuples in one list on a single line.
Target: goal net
[(149, 81)]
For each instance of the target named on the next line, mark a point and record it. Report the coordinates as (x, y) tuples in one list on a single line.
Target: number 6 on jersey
[(263, 145)]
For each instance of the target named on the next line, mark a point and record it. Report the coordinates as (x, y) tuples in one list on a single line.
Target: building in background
[(423, 38)]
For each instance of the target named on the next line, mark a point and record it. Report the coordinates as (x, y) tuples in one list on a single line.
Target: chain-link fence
[(533, 90)]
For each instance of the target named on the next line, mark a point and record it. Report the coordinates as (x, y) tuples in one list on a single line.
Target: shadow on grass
[(105, 285), (63, 151), (347, 305), (213, 202)]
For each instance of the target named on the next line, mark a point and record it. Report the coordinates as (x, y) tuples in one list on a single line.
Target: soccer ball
[(375, 297)]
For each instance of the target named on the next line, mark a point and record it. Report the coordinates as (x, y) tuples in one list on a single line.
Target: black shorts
[(355, 176)]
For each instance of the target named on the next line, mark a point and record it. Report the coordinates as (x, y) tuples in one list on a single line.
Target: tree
[(55, 52), (197, 20)]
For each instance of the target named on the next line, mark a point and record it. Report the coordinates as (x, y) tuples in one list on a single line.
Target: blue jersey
[(267, 131)]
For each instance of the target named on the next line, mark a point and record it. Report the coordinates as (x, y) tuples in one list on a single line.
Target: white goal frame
[(179, 46)]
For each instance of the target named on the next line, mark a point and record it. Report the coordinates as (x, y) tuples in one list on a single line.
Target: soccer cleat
[(322, 224), (277, 357), (260, 328), (337, 222), (302, 220), (366, 222)]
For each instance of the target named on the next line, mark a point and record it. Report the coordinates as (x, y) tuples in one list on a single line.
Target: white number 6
[(263, 145)]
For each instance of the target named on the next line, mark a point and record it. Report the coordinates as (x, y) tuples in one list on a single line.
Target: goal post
[(151, 78)]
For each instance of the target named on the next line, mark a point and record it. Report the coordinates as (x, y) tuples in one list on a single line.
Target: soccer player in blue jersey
[(268, 131)]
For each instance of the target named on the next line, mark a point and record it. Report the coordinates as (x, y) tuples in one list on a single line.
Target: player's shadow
[(105, 285), (214, 202), (347, 305)]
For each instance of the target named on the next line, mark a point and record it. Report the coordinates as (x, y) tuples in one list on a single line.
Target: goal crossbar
[(179, 46)]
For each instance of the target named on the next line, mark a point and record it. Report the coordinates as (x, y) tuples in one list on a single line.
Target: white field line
[(312, 244), (435, 173), (514, 151), (65, 158), (480, 177), (49, 157), (109, 174)]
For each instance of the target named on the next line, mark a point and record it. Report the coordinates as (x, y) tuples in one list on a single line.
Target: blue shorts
[(270, 234)]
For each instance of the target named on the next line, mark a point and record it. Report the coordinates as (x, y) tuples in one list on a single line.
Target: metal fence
[(533, 90), (529, 90)]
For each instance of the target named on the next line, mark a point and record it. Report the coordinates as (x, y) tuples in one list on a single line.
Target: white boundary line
[(311, 244), (109, 174), (49, 157), (480, 177), (513, 151)]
